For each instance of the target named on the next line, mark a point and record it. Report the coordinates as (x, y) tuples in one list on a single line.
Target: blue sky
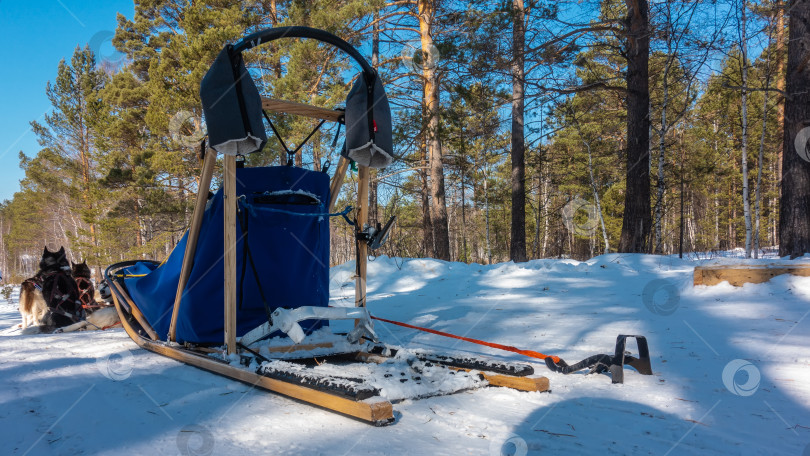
[(36, 35)]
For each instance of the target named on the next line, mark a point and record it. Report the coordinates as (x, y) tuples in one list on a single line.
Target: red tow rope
[(529, 353), (110, 326)]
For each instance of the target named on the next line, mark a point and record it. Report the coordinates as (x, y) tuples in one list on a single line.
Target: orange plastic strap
[(529, 353)]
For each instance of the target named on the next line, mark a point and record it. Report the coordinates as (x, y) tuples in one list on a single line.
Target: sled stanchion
[(337, 181), (362, 246), (229, 186), (193, 234)]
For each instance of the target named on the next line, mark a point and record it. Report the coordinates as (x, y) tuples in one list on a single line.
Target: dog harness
[(86, 292), (57, 300)]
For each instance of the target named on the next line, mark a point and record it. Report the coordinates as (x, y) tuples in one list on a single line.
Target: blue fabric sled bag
[(288, 238)]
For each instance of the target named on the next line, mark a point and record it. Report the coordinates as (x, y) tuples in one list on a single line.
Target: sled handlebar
[(271, 34)]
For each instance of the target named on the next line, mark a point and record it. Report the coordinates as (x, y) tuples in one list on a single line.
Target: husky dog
[(87, 291), (103, 293), (53, 286), (32, 305)]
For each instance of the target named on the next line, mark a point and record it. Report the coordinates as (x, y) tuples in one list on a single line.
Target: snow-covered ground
[(732, 371)]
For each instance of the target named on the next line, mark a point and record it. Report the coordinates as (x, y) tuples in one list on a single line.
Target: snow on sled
[(255, 307)]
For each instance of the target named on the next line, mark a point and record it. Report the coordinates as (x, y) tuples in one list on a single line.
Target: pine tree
[(637, 222), (517, 246), (794, 221), (69, 136)]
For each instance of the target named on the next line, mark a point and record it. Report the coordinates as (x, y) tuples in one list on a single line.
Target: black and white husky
[(53, 282), (50, 299)]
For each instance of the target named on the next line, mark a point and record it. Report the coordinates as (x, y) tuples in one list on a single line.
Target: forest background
[(523, 130)]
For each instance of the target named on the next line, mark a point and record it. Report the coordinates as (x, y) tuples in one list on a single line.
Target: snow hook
[(614, 364)]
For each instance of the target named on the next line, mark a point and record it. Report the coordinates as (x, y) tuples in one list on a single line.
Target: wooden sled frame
[(373, 408), (378, 412)]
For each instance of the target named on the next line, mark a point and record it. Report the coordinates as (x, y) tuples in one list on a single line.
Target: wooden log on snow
[(739, 274)]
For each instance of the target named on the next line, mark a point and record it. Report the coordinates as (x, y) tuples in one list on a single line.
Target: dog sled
[(245, 293)]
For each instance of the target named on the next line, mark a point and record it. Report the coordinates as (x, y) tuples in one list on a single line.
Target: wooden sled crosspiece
[(170, 308)]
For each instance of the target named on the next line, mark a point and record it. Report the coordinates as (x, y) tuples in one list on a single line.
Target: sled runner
[(245, 293)]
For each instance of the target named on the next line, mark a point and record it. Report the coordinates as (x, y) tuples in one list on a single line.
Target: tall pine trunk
[(595, 191), (744, 148), (636, 220), (780, 83), (517, 244), (794, 207), (438, 209), (539, 176), (758, 190), (486, 215), (84, 163), (429, 249), (463, 220), (546, 201), (660, 183)]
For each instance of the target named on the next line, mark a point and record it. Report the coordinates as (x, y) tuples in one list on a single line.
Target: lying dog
[(100, 319)]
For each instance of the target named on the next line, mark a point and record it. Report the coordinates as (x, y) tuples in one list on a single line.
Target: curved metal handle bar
[(271, 34)]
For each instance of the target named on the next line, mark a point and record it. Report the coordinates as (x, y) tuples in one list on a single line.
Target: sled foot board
[(520, 383), (464, 362), (378, 412), (350, 388)]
